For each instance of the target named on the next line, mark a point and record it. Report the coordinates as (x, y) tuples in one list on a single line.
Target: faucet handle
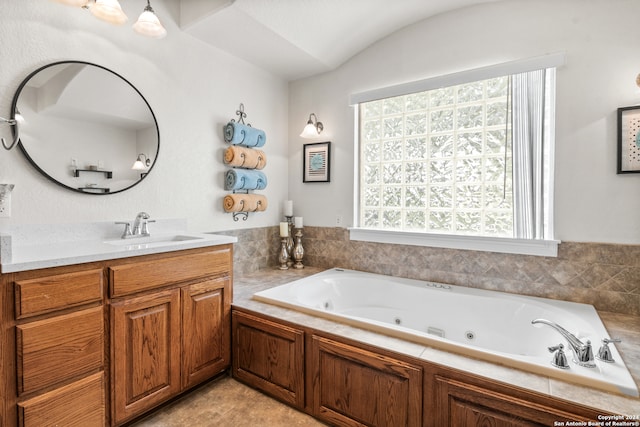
[(127, 229), (145, 228), (604, 354), (559, 359)]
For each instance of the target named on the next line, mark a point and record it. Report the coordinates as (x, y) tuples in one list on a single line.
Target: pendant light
[(148, 24), (110, 11), (75, 3)]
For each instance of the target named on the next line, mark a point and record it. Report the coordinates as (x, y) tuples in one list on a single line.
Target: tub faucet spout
[(582, 352)]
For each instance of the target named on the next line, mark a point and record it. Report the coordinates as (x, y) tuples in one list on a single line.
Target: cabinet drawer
[(140, 276), (79, 404), (54, 350), (47, 294)]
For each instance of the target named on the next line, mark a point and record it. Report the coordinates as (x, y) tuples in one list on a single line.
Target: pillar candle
[(297, 221), (284, 229), (288, 208)]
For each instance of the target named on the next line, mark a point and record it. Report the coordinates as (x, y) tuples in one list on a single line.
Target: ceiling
[(300, 38)]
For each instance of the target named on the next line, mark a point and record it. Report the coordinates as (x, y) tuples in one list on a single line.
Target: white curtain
[(528, 114)]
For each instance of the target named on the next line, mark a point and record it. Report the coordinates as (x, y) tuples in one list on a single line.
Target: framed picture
[(629, 139), (316, 162)]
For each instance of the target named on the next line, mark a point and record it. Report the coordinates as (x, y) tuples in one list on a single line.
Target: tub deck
[(623, 326)]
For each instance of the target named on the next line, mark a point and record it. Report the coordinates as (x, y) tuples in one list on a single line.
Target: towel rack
[(243, 213), (16, 133)]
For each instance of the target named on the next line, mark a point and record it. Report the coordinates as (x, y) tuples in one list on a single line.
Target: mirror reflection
[(84, 126)]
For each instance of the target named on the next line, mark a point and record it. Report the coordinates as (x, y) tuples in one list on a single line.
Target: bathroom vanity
[(102, 342)]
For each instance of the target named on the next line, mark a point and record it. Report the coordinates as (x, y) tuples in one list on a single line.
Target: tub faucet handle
[(559, 359), (604, 354), (582, 352)]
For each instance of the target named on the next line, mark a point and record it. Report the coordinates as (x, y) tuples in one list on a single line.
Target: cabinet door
[(461, 404), (356, 387), (206, 329), (145, 352), (270, 357)]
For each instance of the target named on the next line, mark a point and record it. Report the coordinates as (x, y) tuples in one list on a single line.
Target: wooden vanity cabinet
[(170, 327), (101, 343)]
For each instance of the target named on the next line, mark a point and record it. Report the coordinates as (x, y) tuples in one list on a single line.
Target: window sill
[(475, 243)]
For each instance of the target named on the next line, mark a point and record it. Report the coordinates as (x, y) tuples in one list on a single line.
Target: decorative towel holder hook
[(244, 214), (237, 215), (241, 115), (16, 133)]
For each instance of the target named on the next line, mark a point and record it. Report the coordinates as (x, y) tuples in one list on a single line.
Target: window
[(470, 159)]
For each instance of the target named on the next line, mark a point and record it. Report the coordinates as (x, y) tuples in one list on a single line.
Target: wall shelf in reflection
[(107, 174), (94, 189)]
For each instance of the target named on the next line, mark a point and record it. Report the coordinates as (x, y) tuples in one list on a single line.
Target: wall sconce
[(312, 130), (110, 11), (16, 133), (139, 164)]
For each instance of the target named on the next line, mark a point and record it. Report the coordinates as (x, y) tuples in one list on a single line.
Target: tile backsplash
[(604, 275)]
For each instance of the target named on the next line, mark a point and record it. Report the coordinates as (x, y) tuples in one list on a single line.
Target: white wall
[(193, 89), (601, 39)]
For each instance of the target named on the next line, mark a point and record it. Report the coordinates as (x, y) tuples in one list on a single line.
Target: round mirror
[(86, 128)]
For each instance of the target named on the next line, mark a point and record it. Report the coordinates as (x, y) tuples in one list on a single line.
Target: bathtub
[(489, 325)]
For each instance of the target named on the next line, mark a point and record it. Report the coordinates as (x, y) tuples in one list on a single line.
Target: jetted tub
[(489, 325)]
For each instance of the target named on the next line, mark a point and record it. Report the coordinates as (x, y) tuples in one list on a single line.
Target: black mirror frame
[(14, 105)]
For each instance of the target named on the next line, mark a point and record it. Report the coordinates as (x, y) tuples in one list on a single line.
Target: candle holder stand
[(298, 250), (283, 257), (290, 240)]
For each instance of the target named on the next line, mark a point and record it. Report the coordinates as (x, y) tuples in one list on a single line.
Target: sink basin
[(152, 241)]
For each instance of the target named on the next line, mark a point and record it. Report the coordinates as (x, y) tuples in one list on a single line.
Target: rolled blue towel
[(245, 179), (241, 134)]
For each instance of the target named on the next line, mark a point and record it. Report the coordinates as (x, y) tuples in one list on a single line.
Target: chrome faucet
[(140, 226), (582, 352)]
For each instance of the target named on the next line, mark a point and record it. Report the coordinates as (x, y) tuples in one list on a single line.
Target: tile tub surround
[(606, 276), (256, 248), (625, 326)]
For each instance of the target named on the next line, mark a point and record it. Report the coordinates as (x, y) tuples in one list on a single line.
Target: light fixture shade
[(309, 131), (149, 25), (76, 3), (312, 130), (139, 164), (110, 11)]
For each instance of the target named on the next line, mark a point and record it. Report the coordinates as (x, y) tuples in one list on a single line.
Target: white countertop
[(52, 247)]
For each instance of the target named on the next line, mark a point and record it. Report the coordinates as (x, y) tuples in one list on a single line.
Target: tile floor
[(229, 403)]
